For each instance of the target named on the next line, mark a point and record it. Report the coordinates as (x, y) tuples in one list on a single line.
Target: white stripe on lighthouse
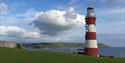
[(91, 44), (91, 28)]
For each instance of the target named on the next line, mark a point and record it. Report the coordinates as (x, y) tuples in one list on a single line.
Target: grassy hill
[(23, 56)]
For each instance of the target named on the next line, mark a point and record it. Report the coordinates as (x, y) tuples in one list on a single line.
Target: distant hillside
[(60, 45)]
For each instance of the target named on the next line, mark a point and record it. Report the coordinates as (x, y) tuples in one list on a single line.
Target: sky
[(61, 21)]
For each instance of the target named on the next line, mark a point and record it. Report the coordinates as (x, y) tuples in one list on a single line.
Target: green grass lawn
[(22, 56)]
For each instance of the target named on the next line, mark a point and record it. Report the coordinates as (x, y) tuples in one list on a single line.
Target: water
[(118, 52), (113, 51)]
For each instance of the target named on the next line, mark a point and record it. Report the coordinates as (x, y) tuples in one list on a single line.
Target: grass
[(23, 56)]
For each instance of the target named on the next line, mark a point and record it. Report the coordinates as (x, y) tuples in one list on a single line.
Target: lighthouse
[(91, 48)]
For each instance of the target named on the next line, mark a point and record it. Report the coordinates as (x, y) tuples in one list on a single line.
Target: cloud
[(117, 11), (113, 1), (73, 2), (111, 12), (14, 31), (53, 22), (117, 27), (3, 7)]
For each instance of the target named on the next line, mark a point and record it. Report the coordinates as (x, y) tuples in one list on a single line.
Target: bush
[(19, 46)]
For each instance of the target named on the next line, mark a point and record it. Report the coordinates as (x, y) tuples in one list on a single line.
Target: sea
[(117, 52)]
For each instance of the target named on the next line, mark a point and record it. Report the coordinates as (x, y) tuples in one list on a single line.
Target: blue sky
[(30, 21)]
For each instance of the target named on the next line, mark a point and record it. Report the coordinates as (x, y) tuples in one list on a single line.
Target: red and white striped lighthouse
[(91, 48)]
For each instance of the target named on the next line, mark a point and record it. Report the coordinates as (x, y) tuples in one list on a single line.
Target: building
[(5, 44), (91, 48)]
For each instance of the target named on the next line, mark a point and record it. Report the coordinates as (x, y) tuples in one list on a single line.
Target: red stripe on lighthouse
[(90, 36), (91, 52), (90, 21)]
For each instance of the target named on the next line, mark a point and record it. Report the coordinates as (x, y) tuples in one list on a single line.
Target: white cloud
[(73, 2), (3, 7), (112, 11), (113, 1), (117, 11), (53, 22), (18, 32), (112, 28)]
